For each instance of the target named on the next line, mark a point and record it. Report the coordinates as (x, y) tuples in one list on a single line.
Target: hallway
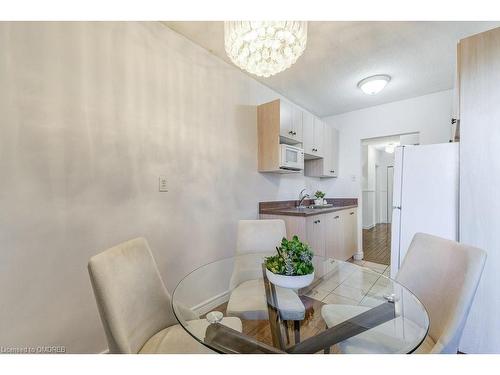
[(377, 244)]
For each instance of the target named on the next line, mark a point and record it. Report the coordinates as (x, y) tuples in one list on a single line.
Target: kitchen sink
[(319, 207)]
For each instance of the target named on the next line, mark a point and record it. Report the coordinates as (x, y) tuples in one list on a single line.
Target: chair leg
[(285, 322), (296, 328), (326, 350)]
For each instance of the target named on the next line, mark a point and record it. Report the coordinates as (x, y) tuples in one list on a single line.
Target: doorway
[(377, 191)]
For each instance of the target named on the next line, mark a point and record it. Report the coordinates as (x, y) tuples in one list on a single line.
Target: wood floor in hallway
[(377, 244)]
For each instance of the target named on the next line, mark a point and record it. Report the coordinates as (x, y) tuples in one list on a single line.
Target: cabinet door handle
[(332, 171), (352, 213), (336, 217), (319, 221), (290, 132)]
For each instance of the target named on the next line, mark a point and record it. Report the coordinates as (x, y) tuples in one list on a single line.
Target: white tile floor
[(350, 285)]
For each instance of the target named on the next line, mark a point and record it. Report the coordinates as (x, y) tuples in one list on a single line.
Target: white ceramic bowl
[(290, 282)]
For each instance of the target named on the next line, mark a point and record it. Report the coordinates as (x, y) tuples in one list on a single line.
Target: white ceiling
[(420, 57)]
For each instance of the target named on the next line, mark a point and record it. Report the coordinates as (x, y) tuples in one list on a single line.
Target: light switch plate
[(162, 184)]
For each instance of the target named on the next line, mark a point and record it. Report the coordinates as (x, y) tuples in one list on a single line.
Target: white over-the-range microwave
[(291, 158)]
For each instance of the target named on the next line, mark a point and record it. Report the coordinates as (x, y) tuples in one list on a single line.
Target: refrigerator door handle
[(396, 207)]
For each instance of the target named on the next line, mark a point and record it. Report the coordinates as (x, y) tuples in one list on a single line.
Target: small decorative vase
[(290, 282)]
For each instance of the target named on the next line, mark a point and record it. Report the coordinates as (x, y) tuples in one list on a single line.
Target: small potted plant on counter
[(292, 267), (319, 195)]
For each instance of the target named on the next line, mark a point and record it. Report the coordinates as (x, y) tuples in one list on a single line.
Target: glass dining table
[(346, 309)]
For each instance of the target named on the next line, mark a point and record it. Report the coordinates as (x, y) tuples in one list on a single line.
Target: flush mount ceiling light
[(264, 48), (389, 148), (374, 84)]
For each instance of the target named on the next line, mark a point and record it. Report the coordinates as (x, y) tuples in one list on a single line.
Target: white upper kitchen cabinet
[(297, 119), (307, 133), (290, 123), (313, 129), (319, 130), (333, 166), (328, 165)]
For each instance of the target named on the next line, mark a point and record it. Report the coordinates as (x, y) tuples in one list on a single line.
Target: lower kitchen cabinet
[(350, 221), (315, 233), (333, 235)]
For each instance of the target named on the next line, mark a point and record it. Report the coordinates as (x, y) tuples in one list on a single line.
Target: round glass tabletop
[(230, 306)]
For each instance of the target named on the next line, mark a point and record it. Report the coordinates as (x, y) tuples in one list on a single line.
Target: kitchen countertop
[(289, 208)]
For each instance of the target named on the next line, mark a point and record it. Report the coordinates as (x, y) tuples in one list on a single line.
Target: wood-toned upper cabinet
[(290, 123), (274, 119), (333, 165), (307, 133), (313, 130), (328, 165), (331, 152), (297, 119), (319, 130), (286, 128)]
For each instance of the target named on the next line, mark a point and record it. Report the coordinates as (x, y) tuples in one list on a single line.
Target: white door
[(390, 186)]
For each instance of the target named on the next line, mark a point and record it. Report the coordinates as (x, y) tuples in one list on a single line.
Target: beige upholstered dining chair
[(248, 299), (444, 275), (135, 307)]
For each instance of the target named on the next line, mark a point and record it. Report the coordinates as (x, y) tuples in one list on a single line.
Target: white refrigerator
[(425, 195)]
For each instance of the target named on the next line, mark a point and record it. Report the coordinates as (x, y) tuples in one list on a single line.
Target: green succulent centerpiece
[(319, 194), (294, 259)]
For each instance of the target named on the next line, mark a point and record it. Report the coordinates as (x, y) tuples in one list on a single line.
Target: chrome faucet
[(302, 197)]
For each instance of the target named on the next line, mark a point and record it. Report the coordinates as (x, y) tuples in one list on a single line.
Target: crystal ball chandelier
[(265, 48)]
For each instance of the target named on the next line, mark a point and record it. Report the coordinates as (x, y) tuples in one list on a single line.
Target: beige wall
[(91, 115)]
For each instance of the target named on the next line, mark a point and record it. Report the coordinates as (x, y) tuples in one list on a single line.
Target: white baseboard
[(211, 303)]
